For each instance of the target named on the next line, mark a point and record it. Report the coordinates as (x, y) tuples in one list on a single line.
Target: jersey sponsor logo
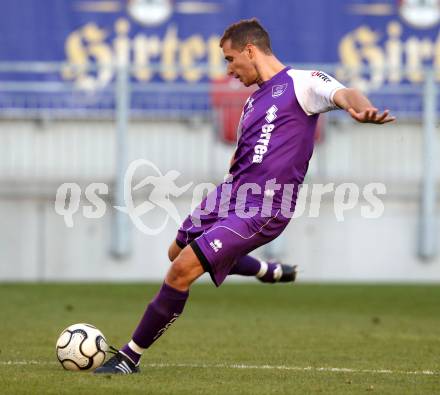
[(216, 245), (261, 147), (271, 114), (321, 75), (278, 90), (266, 133)]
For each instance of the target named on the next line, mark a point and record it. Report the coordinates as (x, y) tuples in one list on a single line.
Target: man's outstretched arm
[(359, 107)]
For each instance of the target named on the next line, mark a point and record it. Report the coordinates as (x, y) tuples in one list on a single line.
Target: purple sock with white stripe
[(163, 310), (249, 266)]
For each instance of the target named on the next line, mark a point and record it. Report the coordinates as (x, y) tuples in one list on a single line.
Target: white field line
[(256, 367)]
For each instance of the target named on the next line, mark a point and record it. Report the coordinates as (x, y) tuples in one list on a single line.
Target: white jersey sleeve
[(315, 90)]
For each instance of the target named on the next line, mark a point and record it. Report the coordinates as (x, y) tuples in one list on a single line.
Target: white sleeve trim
[(315, 90)]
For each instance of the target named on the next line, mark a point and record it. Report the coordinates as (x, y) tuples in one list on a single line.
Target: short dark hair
[(247, 31)]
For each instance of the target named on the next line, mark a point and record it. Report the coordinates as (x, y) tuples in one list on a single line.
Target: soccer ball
[(81, 347)]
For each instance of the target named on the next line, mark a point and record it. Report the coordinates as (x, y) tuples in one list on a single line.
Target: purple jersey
[(276, 132)]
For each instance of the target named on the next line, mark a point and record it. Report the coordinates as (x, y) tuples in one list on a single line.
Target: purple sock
[(248, 266), (163, 310)]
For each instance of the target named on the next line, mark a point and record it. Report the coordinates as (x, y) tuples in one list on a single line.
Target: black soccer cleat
[(288, 273), (282, 274), (118, 364)]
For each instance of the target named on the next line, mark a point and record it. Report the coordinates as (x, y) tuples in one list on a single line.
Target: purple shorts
[(219, 240)]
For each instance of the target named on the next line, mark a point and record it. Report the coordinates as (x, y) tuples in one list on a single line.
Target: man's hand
[(370, 115), (359, 107)]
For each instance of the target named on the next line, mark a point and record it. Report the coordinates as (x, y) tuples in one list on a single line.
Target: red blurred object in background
[(320, 129), (228, 96)]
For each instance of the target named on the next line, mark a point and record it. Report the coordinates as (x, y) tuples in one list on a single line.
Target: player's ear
[(250, 51)]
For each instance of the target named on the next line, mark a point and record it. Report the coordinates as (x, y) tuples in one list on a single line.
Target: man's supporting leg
[(167, 305), (164, 309)]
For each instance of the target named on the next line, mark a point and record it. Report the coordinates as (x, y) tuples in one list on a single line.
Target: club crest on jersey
[(278, 90)]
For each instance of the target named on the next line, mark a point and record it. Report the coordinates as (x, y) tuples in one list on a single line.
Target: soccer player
[(275, 144)]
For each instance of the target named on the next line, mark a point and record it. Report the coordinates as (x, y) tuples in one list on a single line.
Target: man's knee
[(173, 251), (185, 269)]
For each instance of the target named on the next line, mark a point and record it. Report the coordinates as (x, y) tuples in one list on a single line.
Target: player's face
[(240, 64)]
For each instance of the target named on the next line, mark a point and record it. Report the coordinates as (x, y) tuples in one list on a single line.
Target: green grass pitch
[(238, 339)]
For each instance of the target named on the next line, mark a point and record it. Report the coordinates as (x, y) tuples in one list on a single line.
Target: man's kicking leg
[(162, 311), (266, 272)]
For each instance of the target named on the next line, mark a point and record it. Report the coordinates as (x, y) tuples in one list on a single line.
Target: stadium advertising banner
[(169, 40)]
